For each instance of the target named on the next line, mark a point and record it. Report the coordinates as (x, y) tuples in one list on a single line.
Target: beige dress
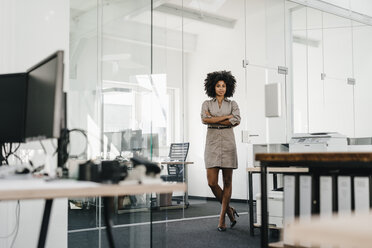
[(220, 147)]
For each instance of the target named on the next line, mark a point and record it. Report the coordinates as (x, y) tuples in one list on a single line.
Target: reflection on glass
[(136, 116), (275, 33), (362, 55), (149, 92), (126, 59), (83, 111), (322, 55)]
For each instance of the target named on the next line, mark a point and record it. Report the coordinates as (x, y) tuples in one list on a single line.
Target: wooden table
[(324, 162), (336, 231), (274, 171), (30, 188)]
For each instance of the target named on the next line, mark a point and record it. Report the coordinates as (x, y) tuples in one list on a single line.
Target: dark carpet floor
[(82, 219), (197, 228)]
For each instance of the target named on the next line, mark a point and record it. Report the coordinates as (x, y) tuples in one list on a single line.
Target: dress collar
[(225, 99)]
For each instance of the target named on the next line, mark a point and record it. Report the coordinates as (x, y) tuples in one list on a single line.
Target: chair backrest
[(178, 151)]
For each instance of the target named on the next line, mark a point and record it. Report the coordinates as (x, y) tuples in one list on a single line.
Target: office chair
[(177, 153)]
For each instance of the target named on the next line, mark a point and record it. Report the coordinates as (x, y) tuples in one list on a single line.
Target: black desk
[(339, 162), (275, 172)]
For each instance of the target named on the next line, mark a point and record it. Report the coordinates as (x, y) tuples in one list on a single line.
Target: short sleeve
[(236, 113), (204, 109)]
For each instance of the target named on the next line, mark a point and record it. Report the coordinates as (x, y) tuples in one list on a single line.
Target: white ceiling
[(360, 6), (139, 11)]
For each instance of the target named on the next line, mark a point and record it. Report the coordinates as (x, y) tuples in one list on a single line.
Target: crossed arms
[(223, 120)]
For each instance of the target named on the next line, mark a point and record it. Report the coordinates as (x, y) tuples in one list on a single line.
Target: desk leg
[(45, 223), (187, 190), (250, 203), (107, 207), (264, 213), (151, 229), (275, 181)]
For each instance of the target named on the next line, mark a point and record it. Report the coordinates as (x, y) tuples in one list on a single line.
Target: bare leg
[(212, 175), (226, 196)]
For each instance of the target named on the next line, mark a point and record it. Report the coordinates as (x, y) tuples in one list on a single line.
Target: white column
[(29, 32)]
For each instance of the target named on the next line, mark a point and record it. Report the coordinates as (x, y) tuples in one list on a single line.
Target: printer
[(275, 207), (318, 142)]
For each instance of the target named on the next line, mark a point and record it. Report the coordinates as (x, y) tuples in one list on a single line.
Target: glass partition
[(338, 68), (138, 68), (266, 66), (362, 54), (216, 41), (84, 112), (329, 70), (129, 125), (315, 73), (266, 27), (298, 34)]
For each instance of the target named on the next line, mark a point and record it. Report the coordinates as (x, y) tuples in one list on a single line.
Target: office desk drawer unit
[(349, 182), (274, 215), (275, 208)]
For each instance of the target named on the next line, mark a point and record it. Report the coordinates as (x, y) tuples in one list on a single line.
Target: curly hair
[(212, 79)]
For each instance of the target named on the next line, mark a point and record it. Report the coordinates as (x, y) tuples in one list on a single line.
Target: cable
[(5, 154), (19, 145), (65, 141), (42, 146), (2, 154), (16, 226), (84, 133), (17, 157), (10, 153), (62, 149)]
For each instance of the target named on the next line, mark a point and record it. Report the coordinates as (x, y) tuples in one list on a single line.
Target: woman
[(221, 115)]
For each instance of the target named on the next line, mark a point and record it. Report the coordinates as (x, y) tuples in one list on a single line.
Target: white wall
[(217, 49), (30, 31), (264, 48), (31, 214)]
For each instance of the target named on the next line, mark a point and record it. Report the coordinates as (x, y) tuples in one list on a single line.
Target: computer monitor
[(136, 140), (45, 111), (13, 89), (131, 140)]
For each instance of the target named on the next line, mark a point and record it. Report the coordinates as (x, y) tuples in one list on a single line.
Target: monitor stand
[(63, 141), (2, 158), (62, 155)]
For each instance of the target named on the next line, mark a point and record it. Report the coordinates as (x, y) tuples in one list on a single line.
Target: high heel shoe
[(234, 213), (221, 229)]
